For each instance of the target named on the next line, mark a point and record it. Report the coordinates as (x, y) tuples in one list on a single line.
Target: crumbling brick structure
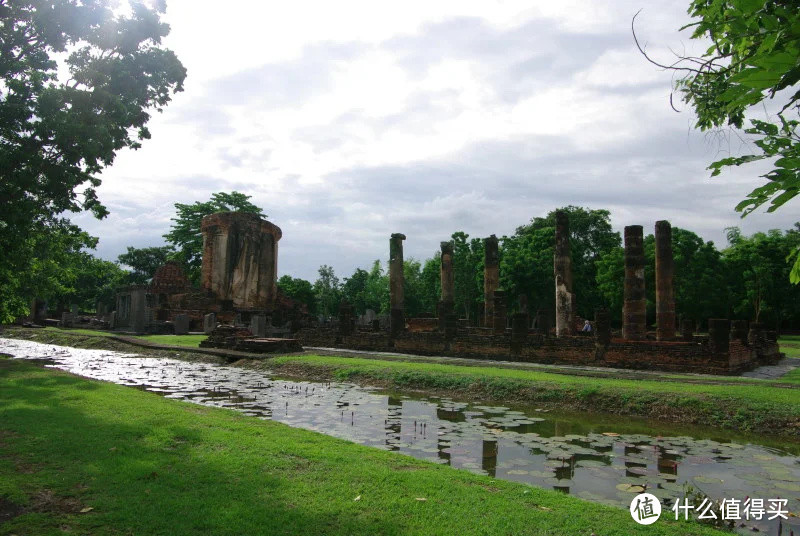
[(634, 311), (729, 348), (491, 277), (665, 297), (240, 259), (396, 283), (562, 268)]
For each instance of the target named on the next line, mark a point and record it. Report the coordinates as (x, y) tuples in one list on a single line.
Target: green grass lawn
[(353, 366), (790, 345), (189, 341), (759, 405), (93, 457)]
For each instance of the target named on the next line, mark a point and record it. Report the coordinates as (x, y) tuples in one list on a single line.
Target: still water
[(606, 459)]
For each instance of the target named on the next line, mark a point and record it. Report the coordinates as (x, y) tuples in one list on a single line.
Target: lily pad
[(631, 488)]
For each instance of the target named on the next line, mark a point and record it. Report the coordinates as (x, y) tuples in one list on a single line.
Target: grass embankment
[(189, 341), (759, 406), (80, 456)]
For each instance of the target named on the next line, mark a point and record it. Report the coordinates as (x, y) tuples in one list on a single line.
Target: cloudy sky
[(349, 121)]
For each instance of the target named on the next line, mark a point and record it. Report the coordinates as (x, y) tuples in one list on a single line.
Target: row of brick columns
[(634, 326), (634, 321)]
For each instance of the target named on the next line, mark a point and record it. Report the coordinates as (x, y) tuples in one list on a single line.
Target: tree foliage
[(327, 291), (526, 265), (754, 55), (185, 234), (144, 262), (468, 275), (58, 134), (53, 265), (299, 290), (760, 287)]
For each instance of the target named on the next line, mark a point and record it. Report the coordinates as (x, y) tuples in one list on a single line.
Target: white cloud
[(348, 121)]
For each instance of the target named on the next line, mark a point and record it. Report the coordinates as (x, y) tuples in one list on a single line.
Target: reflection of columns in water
[(442, 445), (489, 457), (393, 423)]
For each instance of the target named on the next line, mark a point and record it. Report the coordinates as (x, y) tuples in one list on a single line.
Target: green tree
[(699, 281), (185, 233), (468, 275), (754, 55), (354, 290), (526, 265), (376, 291), (328, 292), (760, 287), (431, 282), (95, 281), (299, 290), (56, 136), (50, 256), (144, 262)]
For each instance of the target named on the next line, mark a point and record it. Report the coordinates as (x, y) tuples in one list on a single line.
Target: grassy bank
[(761, 406), (758, 406), (79, 456), (189, 341)]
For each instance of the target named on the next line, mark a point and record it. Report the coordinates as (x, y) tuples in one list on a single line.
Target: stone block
[(209, 323), (67, 320), (181, 324), (258, 325)]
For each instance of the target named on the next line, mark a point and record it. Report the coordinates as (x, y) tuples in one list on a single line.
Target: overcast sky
[(349, 121)]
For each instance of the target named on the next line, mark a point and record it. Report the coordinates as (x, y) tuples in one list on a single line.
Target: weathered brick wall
[(329, 337), (672, 356)]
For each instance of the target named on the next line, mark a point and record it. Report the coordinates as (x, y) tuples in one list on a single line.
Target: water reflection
[(587, 459)]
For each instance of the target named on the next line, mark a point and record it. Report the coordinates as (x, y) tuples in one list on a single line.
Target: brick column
[(519, 331), (719, 330), (491, 278), (446, 305), (500, 318), (687, 329), (602, 332), (634, 325), (562, 270), (396, 282), (739, 330), (665, 296)]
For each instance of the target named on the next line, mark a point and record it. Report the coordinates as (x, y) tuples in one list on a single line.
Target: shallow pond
[(607, 459)]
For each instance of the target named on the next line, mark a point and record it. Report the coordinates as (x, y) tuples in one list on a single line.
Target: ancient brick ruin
[(240, 260), (239, 303), (729, 348), (238, 287)]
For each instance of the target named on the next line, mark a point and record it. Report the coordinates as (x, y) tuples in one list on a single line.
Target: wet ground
[(607, 459)]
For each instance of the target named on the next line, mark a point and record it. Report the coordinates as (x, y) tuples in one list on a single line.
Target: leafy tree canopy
[(78, 83), (56, 135), (185, 234), (328, 291), (754, 55), (299, 290), (144, 262), (526, 263)]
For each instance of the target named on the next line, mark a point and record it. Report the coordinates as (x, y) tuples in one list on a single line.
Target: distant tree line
[(748, 279)]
